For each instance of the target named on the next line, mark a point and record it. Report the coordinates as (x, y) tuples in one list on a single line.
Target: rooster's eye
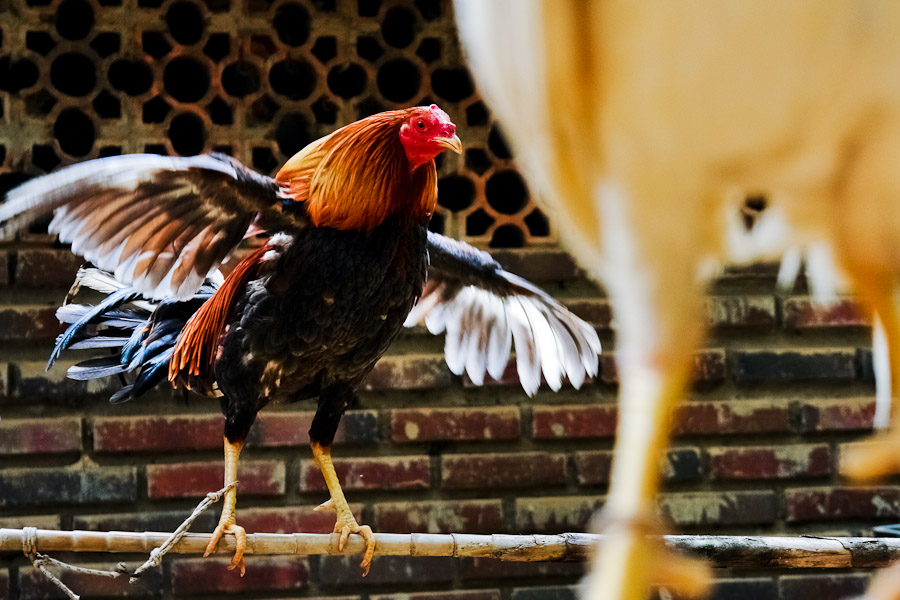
[(420, 125)]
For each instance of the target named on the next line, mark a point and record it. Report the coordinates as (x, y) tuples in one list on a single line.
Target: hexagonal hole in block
[(17, 74), (187, 134), (107, 106), (73, 74), (506, 192), (478, 222), (186, 79), (294, 79), (106, 43), (347, 80), (456, 192), (291, 23), (155, 110), (240, 78), (74, 19), (39, 103), (507, 236), (398, 27), (133, 77), (220, 112), (325, 48), (217, 46), (40, 42), (399, 80), (185, 21), (292, 134), (452, 84), (74, 131)]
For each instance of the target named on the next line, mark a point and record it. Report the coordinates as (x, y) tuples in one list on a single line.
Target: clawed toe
[(240, 545), (345, 529)]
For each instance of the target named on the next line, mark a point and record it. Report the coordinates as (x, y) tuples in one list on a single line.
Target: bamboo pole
[(721, 551)]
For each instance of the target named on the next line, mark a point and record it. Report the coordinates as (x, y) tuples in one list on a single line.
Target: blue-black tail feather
[(144, 331)]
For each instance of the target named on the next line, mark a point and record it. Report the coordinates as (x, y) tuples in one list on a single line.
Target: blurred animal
[(644, 124), (308, 313)]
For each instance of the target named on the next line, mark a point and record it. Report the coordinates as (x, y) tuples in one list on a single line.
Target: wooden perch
[(720, 551)]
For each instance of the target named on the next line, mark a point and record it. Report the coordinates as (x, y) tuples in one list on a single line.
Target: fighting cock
[(307, 314)]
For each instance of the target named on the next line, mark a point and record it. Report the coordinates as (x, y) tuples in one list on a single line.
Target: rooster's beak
[(452, 143)]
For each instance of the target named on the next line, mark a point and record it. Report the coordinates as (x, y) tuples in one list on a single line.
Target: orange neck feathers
[(359, 175)]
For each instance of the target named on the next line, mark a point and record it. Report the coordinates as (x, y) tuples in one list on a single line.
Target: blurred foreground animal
[(643, 123), (309, 313)]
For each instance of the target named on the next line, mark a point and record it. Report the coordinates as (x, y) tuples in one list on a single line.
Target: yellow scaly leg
[(346, 522), (227, 522)]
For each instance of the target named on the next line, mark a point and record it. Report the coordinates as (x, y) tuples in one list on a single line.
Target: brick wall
[(781, 387)]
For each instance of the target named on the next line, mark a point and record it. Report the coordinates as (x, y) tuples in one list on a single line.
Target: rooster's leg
[(227, 522), (660, 325), (882, 455), (333, 401), (346, 522)]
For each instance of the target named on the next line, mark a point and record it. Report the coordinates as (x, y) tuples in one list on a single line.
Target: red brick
[(743, 416), (377, 473), (839, 414), (692, 418), (472, 569), (842, 503), (31, 381), (573, 421), (555, 514), (202, 576), (770, 462), (680, 464), (752, 507), (446, 516), (805, 313), (745, 588), (410, 372), (279, 429), (44, 267), (740, 311), (819, 364), (71, 485), (154, 433), (473, 423), (824, 586), (34, 585), (300, 519), (538, 264), (452, 595), (167, 520), (597, 312), (40, 436), (194, 479), (24, 322), (340, 571), (545, 592), (710, 366), (511, 470)]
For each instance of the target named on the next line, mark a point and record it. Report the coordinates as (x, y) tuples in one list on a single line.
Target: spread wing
[(485, 310), (160, 223)]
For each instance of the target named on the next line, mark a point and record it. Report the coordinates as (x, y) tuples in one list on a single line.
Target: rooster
[(308, 313), (646, 124)]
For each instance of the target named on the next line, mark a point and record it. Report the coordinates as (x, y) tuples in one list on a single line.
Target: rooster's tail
[(142, 333)]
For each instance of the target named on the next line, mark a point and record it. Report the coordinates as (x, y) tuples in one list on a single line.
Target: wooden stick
[(721, 551)]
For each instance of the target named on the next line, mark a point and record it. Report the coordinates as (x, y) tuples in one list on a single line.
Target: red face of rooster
[(427, 133)]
